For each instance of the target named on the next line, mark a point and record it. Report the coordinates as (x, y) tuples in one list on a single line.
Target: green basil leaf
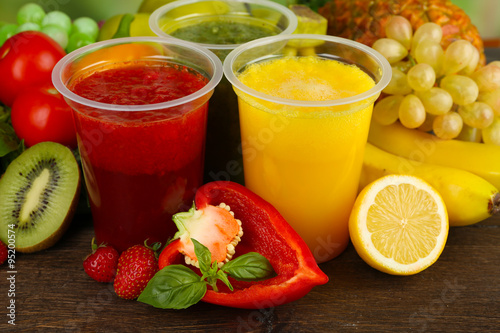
[(223, 277), (4, 114), (213, 269), (7, 159), (174, 287), (251, 266), (8, 139), (203, 255)]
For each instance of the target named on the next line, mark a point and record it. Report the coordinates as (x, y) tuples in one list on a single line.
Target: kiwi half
[(38, 196)]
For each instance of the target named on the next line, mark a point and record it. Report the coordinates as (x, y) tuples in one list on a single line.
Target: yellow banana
[(478, 158), (468, 198)]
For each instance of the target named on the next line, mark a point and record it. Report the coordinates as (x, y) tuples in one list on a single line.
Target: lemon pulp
[(404, 223)]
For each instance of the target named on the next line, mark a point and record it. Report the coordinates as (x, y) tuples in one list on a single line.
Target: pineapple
[(364, 20)]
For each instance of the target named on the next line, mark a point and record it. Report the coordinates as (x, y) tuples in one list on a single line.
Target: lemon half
[(399, 225)]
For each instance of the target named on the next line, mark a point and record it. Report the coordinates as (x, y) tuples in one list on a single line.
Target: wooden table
[(459, 293)]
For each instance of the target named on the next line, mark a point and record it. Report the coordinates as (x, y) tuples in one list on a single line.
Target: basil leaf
[(223, 277), (174, 287), (4, 114), (203, 255), (7, 159), (8, 139), (251, 266)]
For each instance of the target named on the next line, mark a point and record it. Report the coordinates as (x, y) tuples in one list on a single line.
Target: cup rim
[(63, 90), (379, 58), (153, 19)]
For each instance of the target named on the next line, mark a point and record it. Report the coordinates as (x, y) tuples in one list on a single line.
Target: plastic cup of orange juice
[(305, 104)]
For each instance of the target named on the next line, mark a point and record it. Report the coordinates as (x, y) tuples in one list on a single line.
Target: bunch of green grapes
[(71, 35), (443, 91)]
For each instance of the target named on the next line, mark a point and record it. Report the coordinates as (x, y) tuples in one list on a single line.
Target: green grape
[(492, 98), (58, 18), (6, 32), (462, 89), (411, 112), (29, 26), (403, 66), (430, 52), (478, 114), (427, 125), (457, 56), (447, 126), (428, 31), (491, 134), (470, 134), (421, 77), (487, 78), (495, 63), (472, 64), (87, 26), (391, 49), (56, 33), (30, 13), (78, 40), (398, 84), (437, 101), (386, 111), (400, 29)]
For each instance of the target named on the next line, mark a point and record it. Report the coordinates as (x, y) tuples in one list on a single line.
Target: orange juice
[(306, 160)]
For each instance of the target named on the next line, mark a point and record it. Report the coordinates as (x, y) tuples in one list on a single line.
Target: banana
[(478, 158), (468, 198)]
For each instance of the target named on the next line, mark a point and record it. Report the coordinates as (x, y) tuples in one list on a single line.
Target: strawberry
[(101, 264), (136, 266), (213, 226), (3, 253)]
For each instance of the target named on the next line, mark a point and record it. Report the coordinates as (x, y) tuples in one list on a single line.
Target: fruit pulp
[(306, 161), (140, 167)]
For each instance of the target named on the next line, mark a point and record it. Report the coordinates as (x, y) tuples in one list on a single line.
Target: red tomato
[(39, 113), (26, 58)]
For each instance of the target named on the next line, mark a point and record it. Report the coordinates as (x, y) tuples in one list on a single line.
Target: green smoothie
[(223, 32), (220, 26)]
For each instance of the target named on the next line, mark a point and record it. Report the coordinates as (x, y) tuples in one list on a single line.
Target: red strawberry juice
[(140, 167)]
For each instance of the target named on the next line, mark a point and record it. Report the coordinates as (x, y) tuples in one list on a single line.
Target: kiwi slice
[(38, 196)]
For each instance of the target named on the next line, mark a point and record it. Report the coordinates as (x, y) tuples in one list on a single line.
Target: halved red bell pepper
[(265, 232)]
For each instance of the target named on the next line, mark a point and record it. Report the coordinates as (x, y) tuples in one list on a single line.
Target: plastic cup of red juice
[(221, 26), (140, 110)]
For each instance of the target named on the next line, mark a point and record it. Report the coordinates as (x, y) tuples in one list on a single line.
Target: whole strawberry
[(101, 264), (136, 266), (3, 253)]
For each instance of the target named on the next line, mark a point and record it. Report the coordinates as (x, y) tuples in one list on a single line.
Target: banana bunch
[(466, 174)]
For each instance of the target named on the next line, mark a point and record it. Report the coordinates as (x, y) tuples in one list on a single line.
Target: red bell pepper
[(265, 232)]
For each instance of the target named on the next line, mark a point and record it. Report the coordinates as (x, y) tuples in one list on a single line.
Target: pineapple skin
[(364, 20)]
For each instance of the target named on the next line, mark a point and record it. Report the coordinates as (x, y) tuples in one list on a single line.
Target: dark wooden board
[(459, 293)]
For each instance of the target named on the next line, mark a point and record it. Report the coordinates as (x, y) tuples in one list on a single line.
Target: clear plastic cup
[(142, 158), (302, 151), (223, 159)]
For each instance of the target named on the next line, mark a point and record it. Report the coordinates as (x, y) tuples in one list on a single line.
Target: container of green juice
[(221, 26)]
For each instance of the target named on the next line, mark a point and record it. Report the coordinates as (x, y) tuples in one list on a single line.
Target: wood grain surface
[(459, 293)]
